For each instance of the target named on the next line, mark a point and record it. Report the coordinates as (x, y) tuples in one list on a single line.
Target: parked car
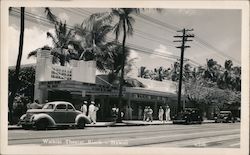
[(225, 117), (54, 114), (188, 116)]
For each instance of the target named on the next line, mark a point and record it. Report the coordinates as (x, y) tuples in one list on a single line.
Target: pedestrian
[(160, 113), (84, 108), (114, 112), (139, 113), (92, 112), (150, 114), (167, 114), (145, 114), (35, 105)]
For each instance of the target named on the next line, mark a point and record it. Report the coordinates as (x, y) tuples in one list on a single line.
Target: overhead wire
[(37, 18)]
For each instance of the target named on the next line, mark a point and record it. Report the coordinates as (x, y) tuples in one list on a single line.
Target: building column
[(102, 107)]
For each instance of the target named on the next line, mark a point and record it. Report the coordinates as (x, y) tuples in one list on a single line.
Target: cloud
[(162, 50), (63, 16), (133, 54), (33, 38)]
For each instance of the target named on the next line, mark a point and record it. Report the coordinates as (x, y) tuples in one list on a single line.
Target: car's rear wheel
[(42, 124), (81, 124)]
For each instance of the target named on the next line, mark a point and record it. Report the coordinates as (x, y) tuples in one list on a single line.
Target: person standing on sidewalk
[(84, 108), (92, 112), (114, 113), (145, 114), (150, 114), (160, 113), (167, 113)]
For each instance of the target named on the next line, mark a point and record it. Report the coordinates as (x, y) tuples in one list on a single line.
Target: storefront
[(78, 82)]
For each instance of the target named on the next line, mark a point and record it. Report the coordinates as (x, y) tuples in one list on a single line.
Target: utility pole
[(184, 38)]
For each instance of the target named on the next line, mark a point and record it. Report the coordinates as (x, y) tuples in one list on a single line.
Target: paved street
[(205, 135)]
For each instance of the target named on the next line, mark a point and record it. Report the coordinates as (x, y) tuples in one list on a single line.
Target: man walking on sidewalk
[(145, 114), (167, 113), (160, 115), (84, 108), (150, 114), (92, 112)]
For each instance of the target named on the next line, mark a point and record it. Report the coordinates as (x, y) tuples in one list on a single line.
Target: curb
[(112, 124)]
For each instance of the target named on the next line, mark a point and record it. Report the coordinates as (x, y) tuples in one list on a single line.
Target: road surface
[(221, 135)]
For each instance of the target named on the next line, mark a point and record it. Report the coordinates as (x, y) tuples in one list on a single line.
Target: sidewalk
[(124, 123)]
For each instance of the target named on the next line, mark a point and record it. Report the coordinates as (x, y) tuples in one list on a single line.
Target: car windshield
[(49, 106)]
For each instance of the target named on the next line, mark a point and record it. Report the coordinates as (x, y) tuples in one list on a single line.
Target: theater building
[(78, 81)]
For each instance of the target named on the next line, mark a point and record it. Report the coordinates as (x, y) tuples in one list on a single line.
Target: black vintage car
[(225, 117), (188, 116)]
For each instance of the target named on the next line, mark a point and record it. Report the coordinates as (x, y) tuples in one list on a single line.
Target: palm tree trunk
[(122, 73), (18, 63), (62, 58)]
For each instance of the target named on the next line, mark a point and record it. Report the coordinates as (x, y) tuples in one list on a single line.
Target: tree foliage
[(209, 84)]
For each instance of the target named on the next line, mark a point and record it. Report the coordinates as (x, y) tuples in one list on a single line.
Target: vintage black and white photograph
[(119, 77)]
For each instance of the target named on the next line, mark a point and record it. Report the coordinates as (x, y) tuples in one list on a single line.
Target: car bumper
[(179, 121), (29, 123)]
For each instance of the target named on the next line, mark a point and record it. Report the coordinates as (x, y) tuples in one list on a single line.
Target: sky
[(217, 35)]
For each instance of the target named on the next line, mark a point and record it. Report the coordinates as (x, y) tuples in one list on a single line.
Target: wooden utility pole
[(184, 38)]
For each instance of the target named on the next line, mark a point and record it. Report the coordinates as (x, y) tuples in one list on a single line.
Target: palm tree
[(61, 40), (125, 21), (91, 43), (18, 63), (116, 66), (125, 25)]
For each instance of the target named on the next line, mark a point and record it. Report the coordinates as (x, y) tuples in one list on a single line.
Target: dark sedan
[(188, 116)]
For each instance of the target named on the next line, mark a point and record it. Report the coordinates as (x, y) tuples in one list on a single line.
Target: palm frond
[(118, 28), (55, 42), (33, 53), (51, 17), (130, 28)]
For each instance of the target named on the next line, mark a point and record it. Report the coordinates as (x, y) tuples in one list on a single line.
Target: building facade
[(78, 81)]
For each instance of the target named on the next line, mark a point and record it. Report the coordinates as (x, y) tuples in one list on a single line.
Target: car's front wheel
[(26, 127), (81, 124), (41, 124)]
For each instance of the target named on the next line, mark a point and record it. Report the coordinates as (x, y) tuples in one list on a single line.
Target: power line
[(174, 28), (34, 18), (170, 28)]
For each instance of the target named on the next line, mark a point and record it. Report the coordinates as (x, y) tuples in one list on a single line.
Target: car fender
[(38, 117), (22, 117), (82, 116)]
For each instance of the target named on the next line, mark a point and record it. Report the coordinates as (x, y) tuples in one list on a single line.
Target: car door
[(59, 114), (71, 114)]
